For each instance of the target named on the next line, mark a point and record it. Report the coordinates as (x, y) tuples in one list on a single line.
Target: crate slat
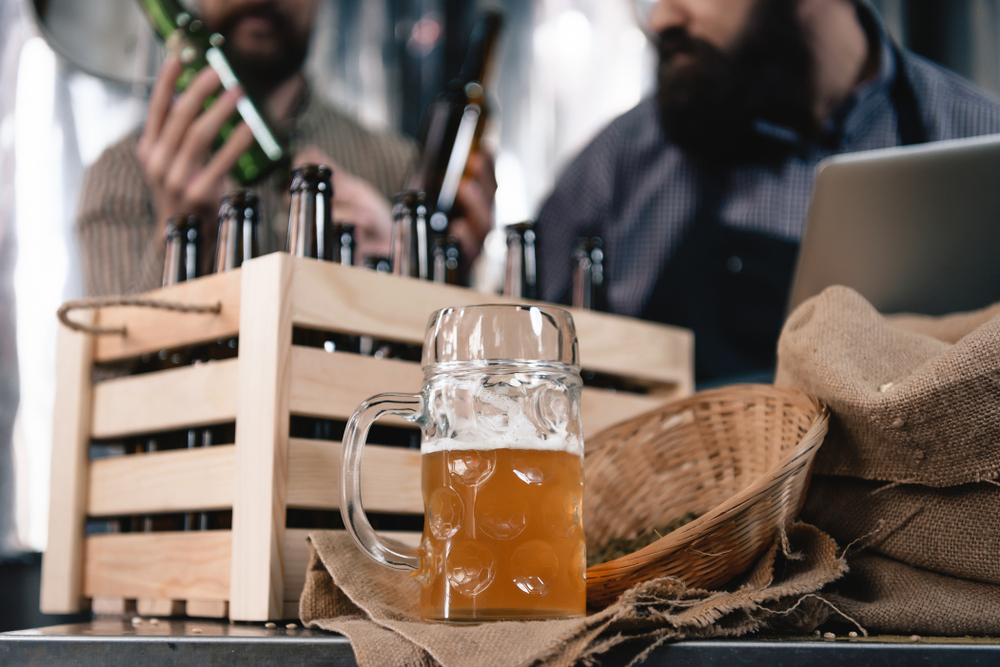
[(297, 558), (601, 408), (173, 566), (151, 330), (112, 606), (165, 400), (172, 481), (390, 477), (612, 343), (207, 608), (159, 607), (61, 572), (333, 297), (262, 440), (333, 384)]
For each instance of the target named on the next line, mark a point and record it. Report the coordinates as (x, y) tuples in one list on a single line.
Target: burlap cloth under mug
[(909, 466), (376, 609)]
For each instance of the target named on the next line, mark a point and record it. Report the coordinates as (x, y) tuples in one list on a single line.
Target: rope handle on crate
[(139, 302)]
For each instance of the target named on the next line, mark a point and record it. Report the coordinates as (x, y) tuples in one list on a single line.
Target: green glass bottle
[(188, 38)]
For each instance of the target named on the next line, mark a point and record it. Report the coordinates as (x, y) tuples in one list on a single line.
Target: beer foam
[(519, 432), (570, 445)]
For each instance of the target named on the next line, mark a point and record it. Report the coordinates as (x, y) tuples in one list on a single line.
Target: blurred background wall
[(566, 68)]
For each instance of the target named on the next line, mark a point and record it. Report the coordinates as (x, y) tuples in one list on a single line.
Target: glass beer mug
[(501, 465)]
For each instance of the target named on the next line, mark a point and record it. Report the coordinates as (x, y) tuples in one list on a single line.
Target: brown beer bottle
[(409, 247), (589, 289), (521, 271), (310, 222), (239, 225), (455, 121), (343, 254), (344, 248), (183, 249), (181, 263), (446, 259), (238, 241)]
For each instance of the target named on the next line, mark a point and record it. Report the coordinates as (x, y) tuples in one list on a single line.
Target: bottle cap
[(311, 177)]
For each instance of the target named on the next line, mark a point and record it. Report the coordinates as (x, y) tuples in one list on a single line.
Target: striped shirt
[(116, 221), (638, 192)]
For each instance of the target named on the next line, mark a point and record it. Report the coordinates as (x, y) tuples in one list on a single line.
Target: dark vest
[(731, 286)]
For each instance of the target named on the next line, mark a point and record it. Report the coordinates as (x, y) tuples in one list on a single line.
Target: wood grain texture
[(601, 408), (150, 330), (297, 557), (61, 566), (262, 423), (207, 608), (165, 400), (111, 606), (159, 607), (330, 296), (171, 481), (658, 355), (390, 477), (333, 384), (171, 565)]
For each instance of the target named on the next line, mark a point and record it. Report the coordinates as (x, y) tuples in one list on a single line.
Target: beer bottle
[(188, 38), (446, 258), (588, 274), (310, 226), (343, 253), (238, 241), (378, 263), (183, 247), (454, 123), (239, 222), (408, 250), (312, 233), (344, 249), (521, 275)]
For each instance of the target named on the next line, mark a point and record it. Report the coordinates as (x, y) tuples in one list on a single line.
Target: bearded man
[(169, 167), (700, 193)]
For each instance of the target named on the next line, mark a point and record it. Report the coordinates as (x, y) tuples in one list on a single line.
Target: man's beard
[(710, 105), (262, 72)]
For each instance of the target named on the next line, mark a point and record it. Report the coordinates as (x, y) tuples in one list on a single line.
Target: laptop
[(913, 229)]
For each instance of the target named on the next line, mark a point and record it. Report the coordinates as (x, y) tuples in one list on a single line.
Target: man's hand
[(358, 202), (475, 198), (175, 148)]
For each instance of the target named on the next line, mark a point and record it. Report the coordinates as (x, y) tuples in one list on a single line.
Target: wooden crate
[(256, 571)]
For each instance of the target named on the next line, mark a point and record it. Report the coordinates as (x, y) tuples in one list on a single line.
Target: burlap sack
[(954, 531), (907, 406), (376, 609), (909, 461), (887, 596)]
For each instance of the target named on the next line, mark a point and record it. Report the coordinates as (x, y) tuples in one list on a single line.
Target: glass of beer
[(501, 466)]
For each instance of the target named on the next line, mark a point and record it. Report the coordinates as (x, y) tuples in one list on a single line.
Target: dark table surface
[(186, 642)]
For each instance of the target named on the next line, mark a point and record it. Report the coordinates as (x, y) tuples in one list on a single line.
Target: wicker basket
[(737, 457)]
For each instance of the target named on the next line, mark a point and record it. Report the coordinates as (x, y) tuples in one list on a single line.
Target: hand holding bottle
[(175, 149), (475, 201)]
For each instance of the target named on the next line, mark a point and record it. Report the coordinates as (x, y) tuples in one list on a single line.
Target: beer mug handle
[(411, 408)]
